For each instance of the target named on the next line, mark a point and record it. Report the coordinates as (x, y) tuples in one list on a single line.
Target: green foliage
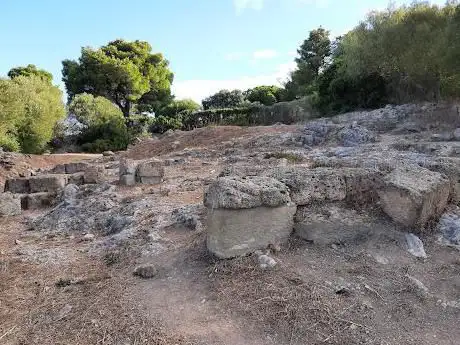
[(266, 95), (110, 135), (400, 55), (162, 124), (29, 109), (125, 72), (314, 55), (91, 110), (30, 70), (179, 107), (223, 99), (407, 47)]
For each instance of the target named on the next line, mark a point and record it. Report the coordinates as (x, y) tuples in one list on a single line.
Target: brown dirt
[(206, 138)]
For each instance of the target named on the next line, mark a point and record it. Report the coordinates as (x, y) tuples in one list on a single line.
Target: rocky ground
[(107, 263)]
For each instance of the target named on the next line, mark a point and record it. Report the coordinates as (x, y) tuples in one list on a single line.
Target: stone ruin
[(46, 189), (343, 189)]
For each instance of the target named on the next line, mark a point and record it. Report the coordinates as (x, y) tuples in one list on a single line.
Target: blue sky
[(211, 44)]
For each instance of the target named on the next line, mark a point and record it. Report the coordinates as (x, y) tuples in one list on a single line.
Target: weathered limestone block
[(94, 174), (246, 214), (47, 183), (58, 169), (77, 178), (246, 192), (330, 223), (36, 201), (150, 172), (127, 172), (72, 168), (17, 185), (413, 195), (361, 184), (10, 204), (309, 185)]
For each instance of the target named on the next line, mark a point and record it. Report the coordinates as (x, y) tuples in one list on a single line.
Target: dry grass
[(285, 305), (79, 302)]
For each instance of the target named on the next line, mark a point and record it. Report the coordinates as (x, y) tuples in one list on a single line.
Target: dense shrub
[(111, 135), (29, 109)]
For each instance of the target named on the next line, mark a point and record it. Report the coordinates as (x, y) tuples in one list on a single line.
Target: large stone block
[(17, 185), (246, 192), (330, 223), (127, 172), (150, 172), (58, 169), (246, 214), (10, 204), (47, 183), (127, 167), (310, 185), (237, 232), (36, 201), (77, 178), (94, 174), (413, 195), (72, 168)]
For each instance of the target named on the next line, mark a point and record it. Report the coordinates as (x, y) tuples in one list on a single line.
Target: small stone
[(88, 237), (415, 246), (108, 153), (145, 271), (266, 262)]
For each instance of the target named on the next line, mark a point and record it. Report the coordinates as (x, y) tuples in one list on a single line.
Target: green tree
[(30, 107), (406, 46), (30, 70), (223, 99), (91, 110), (179, 107), (122, 72), (267, 95), (314, 55)]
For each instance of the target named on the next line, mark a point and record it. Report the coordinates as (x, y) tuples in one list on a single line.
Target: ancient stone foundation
[(246, 214)]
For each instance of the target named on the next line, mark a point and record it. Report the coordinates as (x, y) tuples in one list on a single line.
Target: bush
[(109, 136), (9, 143), (162, 124), (29, 110)]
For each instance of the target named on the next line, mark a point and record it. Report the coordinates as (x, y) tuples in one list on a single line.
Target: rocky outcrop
[(413, 195), (246, 214)]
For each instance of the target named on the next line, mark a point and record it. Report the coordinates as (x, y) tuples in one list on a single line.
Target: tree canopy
[(127, 73), (266, 95), (30, 70), (179, 107), (91, 110), (223, 99), (30, 107)]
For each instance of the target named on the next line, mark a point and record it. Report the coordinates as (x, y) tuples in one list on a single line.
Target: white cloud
[(200, 89), (264, 54), (241, 5)]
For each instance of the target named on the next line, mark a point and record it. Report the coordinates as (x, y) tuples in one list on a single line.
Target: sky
[(210, 44)]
